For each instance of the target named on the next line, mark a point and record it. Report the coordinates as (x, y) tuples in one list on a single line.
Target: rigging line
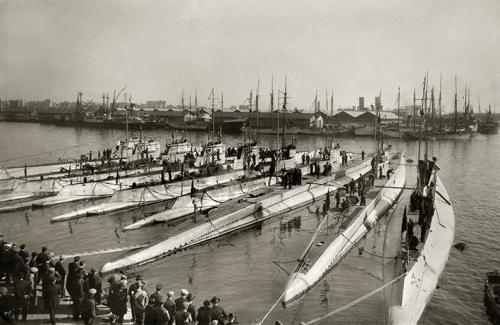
[(223, 237), (281, 267), (272, 308), (354, 244), (354, 302)]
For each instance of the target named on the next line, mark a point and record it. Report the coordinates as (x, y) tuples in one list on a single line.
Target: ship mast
[(399, 100), (439, 101), (285, 94), (455, 104), (257, 111), (222, 113), (414, 111), (271, 102)]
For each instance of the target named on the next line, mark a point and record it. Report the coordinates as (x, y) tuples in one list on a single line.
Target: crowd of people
[(24, 275)]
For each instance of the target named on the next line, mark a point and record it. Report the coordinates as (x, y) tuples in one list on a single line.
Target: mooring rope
[(354, 302)]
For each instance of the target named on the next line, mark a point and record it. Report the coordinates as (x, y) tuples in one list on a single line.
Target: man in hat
[(72, 268), (51, 299), (157, 295), (24, 254), (170, 306), (191, 309), (77, 293), (203, 317), (42, 259), (182, 299), (161, 314), (89, 307), (22, 296), (141, 300), (131, 293), (59, 267), (6, 306), (94, 281), (217, 312)]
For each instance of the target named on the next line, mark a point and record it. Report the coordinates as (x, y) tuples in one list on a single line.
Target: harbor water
[(239, 269)]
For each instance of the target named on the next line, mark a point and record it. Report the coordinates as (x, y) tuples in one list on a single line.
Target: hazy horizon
[(53, 49)]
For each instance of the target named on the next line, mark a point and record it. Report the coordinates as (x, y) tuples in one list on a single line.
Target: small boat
[(488, 125), (492, 296), (308, 273)]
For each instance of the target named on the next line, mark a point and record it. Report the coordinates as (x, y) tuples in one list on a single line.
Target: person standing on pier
[(132, 290), (217, 312), (51, 299), (203, 317), (59, 267), (170, 306), (141, 300), (89, 308), (362, 155), (22, 296)]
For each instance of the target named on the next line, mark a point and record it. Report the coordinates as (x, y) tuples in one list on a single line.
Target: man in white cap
[(182, 299), (89, 307)]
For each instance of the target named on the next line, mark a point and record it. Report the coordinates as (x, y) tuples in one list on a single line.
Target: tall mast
[(222, 112), (439, 101), (326, 101), (196, 100), (399, 99), (331, 105), (212, 96), (257, 111), (284, 115), (432, 108), (316, 102), (455, 104), (414, 111), (271, 102), (182, 100), (190, 106)]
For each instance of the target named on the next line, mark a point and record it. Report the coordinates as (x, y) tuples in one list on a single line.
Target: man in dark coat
[(191, 309), (77, 296), (217, 312), (72, 268), (132, 291), (22, 296), (59, 267), (42, 259), (119, 306), (182, 299), (93, 281), (6, 306), (51, 299), (170, 306), (203, 317)]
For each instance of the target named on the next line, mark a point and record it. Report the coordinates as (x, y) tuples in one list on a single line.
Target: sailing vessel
[(489, 125)]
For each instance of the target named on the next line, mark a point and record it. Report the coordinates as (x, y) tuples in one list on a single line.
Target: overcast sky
[(52, 49)]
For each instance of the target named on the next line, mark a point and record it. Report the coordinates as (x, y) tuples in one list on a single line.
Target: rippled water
[(240, 269)]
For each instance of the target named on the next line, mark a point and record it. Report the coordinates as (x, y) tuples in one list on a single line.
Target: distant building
[(158, 104), (361, 104)]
